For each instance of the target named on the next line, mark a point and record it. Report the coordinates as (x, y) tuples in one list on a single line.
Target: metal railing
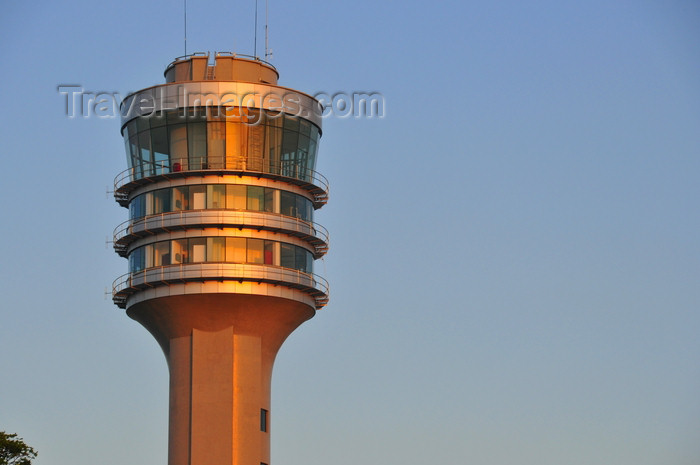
[(130, 283), (218, 54), (259, 166), (233, 218)]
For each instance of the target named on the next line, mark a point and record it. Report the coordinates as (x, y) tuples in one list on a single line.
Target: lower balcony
[(132, 283)]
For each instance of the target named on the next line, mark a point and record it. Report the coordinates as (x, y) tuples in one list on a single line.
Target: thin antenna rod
[(267, 46), (185, 27), (255, 46)]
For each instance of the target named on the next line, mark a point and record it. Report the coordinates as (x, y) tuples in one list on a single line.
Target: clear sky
[(515, 257)]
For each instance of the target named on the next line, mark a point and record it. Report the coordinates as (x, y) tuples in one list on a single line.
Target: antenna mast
[(185, 27), (255, 44), (267, 46)]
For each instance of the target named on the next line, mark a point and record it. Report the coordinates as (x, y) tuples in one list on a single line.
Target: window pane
[(133, 129), (236, 143), (197, 197), (178, 147), (161, 251), (311, 162), (137, 207), (309, 263), (197, 249), (142, 124), (135, 157), (289, 153), (196, 114), (158, 119), (236, 197), (254, 115), (216, 196), (129, 161), (256, 198), (288, 204), (300, 258), (179, 251), (148, 252), (197, 145), (216, 142), (313, 146), (269, 247), (263, 421), (274, 144), (304, 127), (269, 199), (136, 260), (291, 123), (175, 117), (180, 198), (287, 255), (290, 140), (145, 150), (161, 201), (159, 141), (303, 146), (306, 209), (235, 249), (149, 203), (303, 208), (255, 251), (216, 248)]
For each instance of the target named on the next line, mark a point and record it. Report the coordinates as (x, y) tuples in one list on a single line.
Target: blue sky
[(514, 254)]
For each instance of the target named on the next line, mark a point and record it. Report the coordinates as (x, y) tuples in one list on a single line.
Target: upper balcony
[(286, 171)]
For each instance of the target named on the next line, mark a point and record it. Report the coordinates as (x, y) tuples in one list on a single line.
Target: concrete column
[(220, 350)]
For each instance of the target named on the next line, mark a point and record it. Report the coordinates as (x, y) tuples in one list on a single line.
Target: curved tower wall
[(221, 190)]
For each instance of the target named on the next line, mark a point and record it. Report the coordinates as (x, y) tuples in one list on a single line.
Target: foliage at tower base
[(13, 450)]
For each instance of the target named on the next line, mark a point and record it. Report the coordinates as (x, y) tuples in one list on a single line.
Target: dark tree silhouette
[(13, 450)]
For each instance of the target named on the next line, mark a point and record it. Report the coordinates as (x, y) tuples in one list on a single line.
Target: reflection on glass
[(216, 249), (197, 145), (197, 249), (255, 251), (179, 251), (178, 146), (198, 197), (161, 251), (216, 142), (235, 249), (161, 201), (220, 196), (216, 196), (180, 198), (220, 250), (236, 197), (256, 198), (283, 144), (160, 150)]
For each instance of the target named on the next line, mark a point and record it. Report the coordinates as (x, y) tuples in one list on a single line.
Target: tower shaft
[(220, 352)]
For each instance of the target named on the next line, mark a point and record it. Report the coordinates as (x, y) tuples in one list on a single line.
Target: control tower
[(221, 191)]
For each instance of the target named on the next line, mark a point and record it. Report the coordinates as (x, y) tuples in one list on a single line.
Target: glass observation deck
[(170, 143)]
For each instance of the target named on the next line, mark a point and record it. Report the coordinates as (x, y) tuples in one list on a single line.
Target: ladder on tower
[(210, 73)]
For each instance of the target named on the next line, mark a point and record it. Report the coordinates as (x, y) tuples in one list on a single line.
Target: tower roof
[(227, 66)]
